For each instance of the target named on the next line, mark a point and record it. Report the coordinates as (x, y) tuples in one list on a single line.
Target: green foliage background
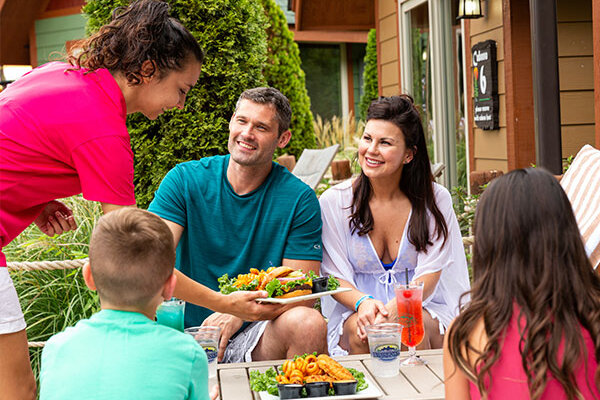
[(283, 71), (54, 300), (233, 37), (370, 83)]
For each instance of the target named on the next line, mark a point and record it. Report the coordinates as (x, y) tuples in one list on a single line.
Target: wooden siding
[(512, 146), (518, 75), (488, 149), (387, 47), (53, 33), (337, 15), (576, 74)]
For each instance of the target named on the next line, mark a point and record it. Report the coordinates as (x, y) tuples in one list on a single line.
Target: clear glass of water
[(208, 338), (384, 345)]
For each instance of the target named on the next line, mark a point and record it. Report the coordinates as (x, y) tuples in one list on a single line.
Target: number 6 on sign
[(482, 81)]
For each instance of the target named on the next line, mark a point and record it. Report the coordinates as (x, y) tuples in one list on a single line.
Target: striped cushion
[(581, 182)]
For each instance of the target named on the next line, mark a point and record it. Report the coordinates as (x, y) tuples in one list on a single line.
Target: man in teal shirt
[(240, 211), (121, 352)]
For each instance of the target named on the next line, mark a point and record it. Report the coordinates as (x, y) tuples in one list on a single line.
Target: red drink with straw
[(410, 315)]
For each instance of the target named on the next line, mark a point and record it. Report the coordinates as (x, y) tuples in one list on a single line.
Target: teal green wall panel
[(52, 34), (290, 16)]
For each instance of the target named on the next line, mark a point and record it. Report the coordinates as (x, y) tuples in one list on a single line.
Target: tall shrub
[(231, 32), (283, 71), (370, 85)]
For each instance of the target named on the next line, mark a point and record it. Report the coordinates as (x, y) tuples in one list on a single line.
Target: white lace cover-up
[(353, 258)]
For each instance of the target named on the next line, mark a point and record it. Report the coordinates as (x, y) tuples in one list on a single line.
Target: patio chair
[(313, 164), (437, 169), (581, 183)]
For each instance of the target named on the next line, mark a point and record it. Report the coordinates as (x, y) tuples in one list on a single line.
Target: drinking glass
[(384, 345), (208, 338), (171, 313), (409, 299)]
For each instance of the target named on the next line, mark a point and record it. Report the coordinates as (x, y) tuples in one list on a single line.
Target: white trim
[(344, 83), (442, 83), (465, 111)]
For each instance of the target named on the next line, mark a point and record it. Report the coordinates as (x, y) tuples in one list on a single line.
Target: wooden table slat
[(436, 364), (396, 385), (423, 379), (234, 384), (360, 366)]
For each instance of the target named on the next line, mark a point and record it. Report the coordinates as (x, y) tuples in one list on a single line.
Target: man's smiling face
[(254, 133)]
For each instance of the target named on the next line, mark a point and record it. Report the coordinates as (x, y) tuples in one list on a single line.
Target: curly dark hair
[(144, 31), (528, 256), (416, 181)]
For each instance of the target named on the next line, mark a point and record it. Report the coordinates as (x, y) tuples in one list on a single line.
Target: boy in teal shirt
[(121, 352)]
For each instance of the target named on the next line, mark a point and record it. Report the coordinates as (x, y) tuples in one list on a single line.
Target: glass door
[(427, 73)]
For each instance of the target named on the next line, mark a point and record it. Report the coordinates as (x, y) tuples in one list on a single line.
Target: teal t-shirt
[(228, 233), (119, 355)]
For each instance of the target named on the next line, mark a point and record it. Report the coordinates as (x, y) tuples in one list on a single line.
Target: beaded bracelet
[(366, 296)]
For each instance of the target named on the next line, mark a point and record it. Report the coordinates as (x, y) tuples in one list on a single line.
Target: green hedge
[(283, 71), (233, 36), (370, 85)]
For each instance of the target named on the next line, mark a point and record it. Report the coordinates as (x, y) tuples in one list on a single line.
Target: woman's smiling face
[(159, 94), (382, 150)]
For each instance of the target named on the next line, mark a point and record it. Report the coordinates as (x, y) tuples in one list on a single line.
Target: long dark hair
[(416, 181), (528, 254), (144, 31)]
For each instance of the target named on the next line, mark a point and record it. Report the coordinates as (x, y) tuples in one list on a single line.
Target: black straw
[(406, 275)]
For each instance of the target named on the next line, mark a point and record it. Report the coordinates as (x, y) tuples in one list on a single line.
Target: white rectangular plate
[(302, 298), (371, 392)]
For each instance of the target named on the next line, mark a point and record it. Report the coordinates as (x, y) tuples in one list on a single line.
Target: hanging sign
[(485, 85)]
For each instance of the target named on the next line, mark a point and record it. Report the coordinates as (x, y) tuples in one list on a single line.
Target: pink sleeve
[(105, 169)]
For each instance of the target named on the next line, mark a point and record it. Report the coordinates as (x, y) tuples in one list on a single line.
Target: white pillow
[(581, 182)]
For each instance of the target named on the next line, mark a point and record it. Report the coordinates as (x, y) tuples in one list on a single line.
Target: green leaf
[(332, 283), (274, 288), (264, 382), (226, 284)]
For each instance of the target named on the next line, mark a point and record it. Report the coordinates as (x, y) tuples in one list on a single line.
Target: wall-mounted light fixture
[(469, 9)]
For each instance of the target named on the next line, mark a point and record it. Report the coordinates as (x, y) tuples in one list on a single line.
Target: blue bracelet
[(366, 296)]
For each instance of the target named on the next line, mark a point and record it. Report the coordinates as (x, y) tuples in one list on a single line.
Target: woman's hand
[(243, 304), (367, 313), (55, 218)]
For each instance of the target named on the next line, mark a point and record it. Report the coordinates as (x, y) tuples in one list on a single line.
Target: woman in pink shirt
[(532, 328), (63, 132)]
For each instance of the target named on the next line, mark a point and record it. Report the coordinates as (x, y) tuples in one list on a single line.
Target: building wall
[(489, 147), (53, 33), (387, 47), (576, 74)]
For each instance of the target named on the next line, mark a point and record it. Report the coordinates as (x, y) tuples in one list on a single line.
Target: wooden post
[(340, 170), (480, 178), (288, 161)]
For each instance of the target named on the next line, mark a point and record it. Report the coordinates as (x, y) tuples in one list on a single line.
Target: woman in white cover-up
[(391, 220)]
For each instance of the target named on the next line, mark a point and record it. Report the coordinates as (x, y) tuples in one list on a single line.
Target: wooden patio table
[(421, 382)]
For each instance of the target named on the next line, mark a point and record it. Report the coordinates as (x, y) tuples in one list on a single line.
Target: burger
[(281, 282), (285, 282)]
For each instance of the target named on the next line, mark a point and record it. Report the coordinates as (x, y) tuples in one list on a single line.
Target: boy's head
[(131, 257)]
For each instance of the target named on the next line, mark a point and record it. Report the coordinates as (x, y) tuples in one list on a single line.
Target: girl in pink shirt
[(63, 132), (532, 327)]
